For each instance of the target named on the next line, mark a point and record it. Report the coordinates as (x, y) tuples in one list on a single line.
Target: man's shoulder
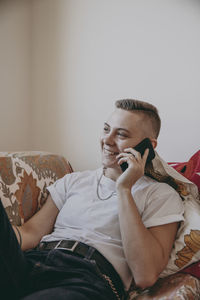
[(148, 183)]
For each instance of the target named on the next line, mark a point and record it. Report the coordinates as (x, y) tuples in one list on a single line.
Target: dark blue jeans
[(49, 274)]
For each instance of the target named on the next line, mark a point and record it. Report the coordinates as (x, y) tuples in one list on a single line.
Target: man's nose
[(109, 138)]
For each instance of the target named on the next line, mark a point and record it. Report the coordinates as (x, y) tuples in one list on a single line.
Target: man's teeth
[(110, 152)]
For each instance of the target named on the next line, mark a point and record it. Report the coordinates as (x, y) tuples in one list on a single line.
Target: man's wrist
[(123, 190)]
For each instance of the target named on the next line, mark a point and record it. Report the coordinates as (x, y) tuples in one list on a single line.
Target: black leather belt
[(83, 250)]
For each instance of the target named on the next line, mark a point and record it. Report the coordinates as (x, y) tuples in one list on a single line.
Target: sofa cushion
[(24, 177), (186, 248), (191, 170)]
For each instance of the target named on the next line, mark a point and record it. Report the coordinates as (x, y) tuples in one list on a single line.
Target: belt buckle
[(65, 248), (41, 246)]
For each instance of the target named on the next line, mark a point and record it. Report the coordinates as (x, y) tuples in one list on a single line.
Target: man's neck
[(112, 173)]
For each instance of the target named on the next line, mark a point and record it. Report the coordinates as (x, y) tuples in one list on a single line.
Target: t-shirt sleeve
[(163, 206), (58, 191)]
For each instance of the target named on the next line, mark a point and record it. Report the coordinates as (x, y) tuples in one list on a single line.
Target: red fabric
[(191, 170), (193, 269)]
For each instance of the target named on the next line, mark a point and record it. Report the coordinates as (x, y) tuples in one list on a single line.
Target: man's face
[(122, 130)]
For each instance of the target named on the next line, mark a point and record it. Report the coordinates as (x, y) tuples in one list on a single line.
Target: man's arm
[(146, 250), (39, 225)]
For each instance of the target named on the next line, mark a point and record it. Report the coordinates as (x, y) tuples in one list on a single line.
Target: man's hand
[(135, 170)]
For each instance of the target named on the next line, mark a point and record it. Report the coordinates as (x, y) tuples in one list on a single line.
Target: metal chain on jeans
[(109, 280)]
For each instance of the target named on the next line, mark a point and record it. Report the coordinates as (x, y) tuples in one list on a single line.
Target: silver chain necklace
[(98, 184)]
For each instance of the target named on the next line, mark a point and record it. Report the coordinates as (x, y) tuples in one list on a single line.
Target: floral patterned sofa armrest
[(24, 177), (178, 286)]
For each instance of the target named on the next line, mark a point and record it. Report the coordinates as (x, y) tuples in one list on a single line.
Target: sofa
[(24, 177)]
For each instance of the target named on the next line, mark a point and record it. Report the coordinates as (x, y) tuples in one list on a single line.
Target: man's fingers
[(126, 155), (144, 157)]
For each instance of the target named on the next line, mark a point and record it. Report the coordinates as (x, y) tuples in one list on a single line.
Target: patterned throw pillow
[(24, 177), (191, 170), (186, 248)]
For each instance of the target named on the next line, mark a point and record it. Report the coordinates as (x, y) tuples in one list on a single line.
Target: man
[(98, 229)]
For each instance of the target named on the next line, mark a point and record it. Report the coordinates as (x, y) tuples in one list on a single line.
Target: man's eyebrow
[(118, 128)]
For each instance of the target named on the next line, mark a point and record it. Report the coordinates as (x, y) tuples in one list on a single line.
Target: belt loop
[(40, 246), (89, 253)]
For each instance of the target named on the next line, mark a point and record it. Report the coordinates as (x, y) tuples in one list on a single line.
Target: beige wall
[(86, 54), (15, 26), (89, 53)]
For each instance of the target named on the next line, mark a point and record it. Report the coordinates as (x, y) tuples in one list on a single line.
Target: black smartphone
[(146, 143)]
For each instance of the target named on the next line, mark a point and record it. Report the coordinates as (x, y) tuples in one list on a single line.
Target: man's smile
[(106, 151)]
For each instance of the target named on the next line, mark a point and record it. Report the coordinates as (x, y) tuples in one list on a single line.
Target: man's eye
[(106, 129), (122, 134)]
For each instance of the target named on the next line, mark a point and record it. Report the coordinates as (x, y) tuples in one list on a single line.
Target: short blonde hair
[(147, 109)]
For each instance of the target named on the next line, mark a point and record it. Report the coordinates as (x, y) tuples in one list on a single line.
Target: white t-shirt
[(86, 218)]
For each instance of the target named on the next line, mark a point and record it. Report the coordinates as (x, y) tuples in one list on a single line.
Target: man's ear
[(154, 142)]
